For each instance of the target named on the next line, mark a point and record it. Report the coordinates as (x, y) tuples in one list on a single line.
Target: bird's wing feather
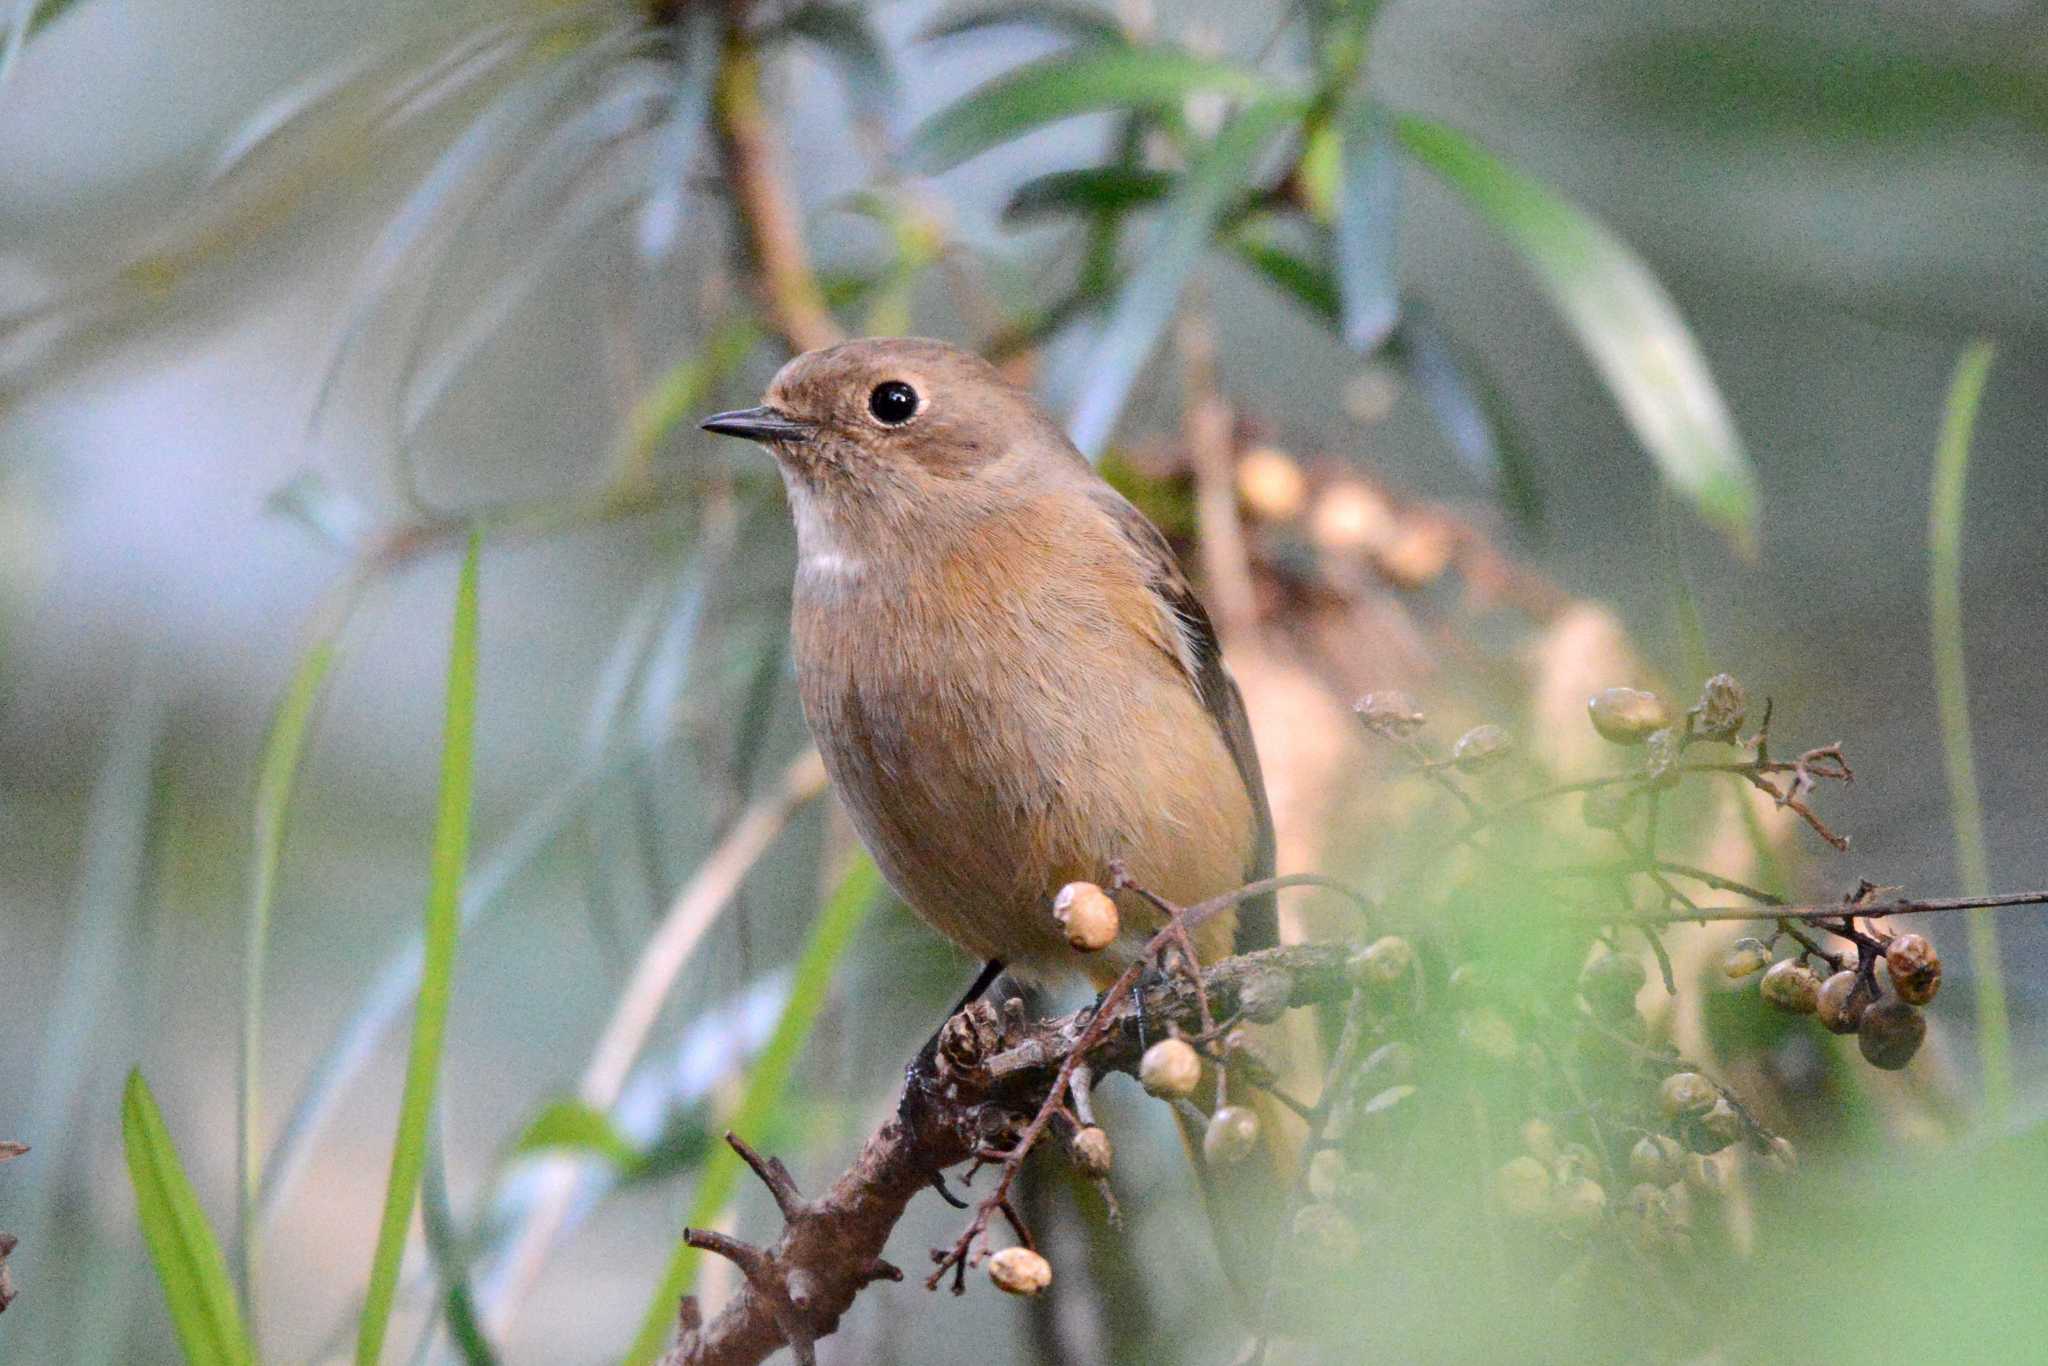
[(1200, 656)]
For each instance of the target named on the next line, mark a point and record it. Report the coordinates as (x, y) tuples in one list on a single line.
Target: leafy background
[(379, 308)]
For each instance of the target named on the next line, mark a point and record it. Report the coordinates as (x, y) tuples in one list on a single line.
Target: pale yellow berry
[(1271, 484), (1170, 1069), (1326, 1234), (1744, 957), (1656, 1158), (1686, 1093), (1539, 1136), (1723, 1121), (1581, 1203), (1326, 1174), (1019, 1271), (1480, 748), (1087, 914), (1792, 987), (1351, 516), (1706, 1174), (1233, 1134), (1383, 963), (1627, 716), (1523, 1186), (1489, 1035)]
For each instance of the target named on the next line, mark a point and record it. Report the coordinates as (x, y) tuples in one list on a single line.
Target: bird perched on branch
[(1007, 674)]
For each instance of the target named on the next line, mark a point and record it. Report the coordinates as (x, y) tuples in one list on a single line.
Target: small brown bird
[(1006, 672), (1012, 684)]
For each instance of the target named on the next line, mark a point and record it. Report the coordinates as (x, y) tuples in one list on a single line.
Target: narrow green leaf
[(451, 1254), (1081, 23), (678, 396), (577, 1127), (1621, 315), (430, 1018), (845, 33), (276, 780), (1966, 801), (1187, 224), (1368, 210), (1306, 282), (1472, 416), (189, 1266), (1093, 189), (1061, 86), (829, 939)]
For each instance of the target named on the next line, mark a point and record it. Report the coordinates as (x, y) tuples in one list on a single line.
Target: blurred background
[(288, 293)]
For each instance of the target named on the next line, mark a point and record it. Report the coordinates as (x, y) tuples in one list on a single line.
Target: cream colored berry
[(1170, 1069), (1087, 914), (1233, 1134), (1271, 484), (1523, 1186), (1019, 1271), (1686, 1093), (1385, 962)]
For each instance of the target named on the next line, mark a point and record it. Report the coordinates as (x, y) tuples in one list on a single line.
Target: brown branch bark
[(990, 1076), (790, 298)]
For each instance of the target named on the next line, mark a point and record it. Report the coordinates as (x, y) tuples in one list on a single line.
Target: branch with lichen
[(993, 1075), (997, 1085)]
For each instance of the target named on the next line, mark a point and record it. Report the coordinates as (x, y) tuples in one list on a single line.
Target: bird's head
[(893, 412)]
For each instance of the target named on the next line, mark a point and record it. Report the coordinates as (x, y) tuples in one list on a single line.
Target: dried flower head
[(1915, 968), (1721, 710)]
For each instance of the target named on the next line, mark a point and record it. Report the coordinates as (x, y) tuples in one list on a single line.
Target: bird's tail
[(1245, 1168)]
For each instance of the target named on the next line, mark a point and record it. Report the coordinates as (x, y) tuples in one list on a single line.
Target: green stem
[(1945, 595), (276, 782), (437, 971)]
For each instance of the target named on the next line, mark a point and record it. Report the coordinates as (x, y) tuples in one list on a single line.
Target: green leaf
[(1965, 797), (1064, 85), (189, 1267), (1368, 209), (1472, 416), (1623, 318), (829, 939), (276, 781), (430, 1018), (846, 35), (678, 396), (28, 18), (1094, 189), (451, 1255), (1187, 224), (1082, 23), (1306, 282), (578, 1127)]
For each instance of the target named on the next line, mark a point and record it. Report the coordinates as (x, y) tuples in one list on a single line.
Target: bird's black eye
[(893, 403)]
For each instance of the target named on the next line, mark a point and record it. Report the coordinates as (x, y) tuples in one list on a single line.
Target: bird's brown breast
[(1005, 714)]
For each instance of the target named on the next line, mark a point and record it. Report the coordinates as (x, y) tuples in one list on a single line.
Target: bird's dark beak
[(758, 424)]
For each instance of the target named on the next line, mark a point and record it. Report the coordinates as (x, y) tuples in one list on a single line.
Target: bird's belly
[(986, 779)]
